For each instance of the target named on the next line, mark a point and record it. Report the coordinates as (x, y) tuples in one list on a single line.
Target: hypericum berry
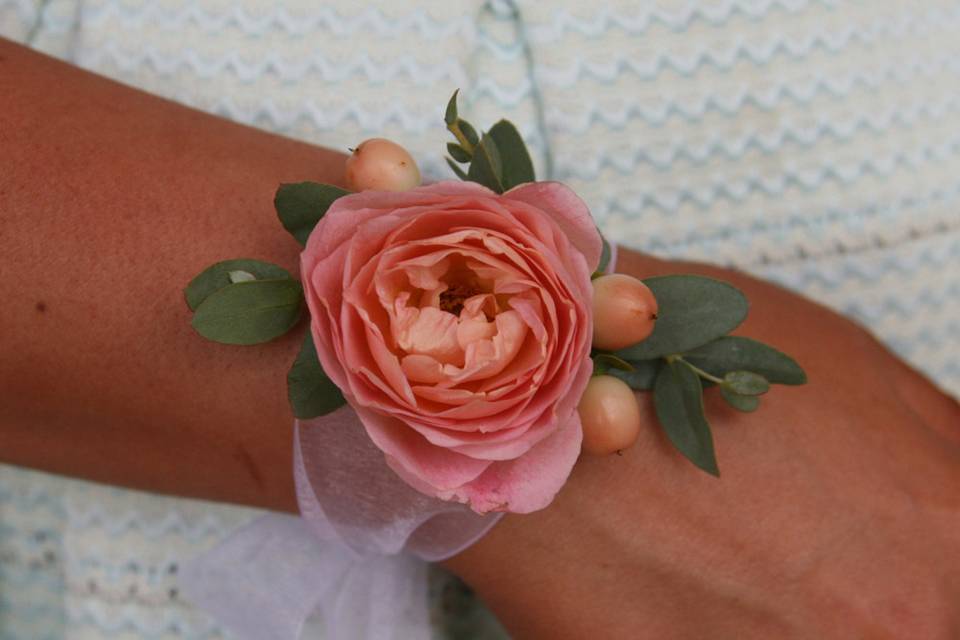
[(624, 311), (610, 416), (382, 165)]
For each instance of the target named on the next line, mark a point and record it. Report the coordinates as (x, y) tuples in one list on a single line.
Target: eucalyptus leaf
[(217, 276), (301, 205), (735, 353), (457, 170), (310, 391), (678, 400), (468, 132), (642, 377), (486, 168), (747, 404), (450, 115), (459, 153), (250, 312), (692, 311), (746, 383), (516, 165)]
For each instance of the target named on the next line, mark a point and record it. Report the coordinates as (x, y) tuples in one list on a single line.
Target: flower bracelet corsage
[(466, 344)]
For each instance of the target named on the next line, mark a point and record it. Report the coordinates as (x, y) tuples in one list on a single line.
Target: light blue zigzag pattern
[(374, 21), (809, 180), (678, 21), (368, 22), (689, 65), (115, 568), (762, 52), (117, 622), (117, 525), (887, 209), (664, 156), (249, 70), (173, 522), (125, 623), (691, 109), (908, 306), (812, 274), (768, 99)]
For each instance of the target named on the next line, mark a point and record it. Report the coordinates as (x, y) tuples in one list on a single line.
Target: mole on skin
[(41, 307)]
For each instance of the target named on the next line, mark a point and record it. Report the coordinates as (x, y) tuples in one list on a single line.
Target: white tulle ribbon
[(356, 556)]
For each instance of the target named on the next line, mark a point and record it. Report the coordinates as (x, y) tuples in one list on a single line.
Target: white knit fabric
[(815, 142)]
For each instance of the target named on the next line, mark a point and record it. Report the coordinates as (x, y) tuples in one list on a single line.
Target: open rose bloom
[(456, 322)]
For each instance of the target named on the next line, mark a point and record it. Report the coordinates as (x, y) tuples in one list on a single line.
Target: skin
[(835, 516)]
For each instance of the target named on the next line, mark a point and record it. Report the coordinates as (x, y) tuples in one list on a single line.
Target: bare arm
[(110, 201), (835, 515)]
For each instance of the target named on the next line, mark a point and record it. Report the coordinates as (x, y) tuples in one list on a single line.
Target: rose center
[(453, 298)]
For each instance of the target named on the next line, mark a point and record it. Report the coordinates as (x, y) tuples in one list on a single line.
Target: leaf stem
[(697, 370), (461, 138)]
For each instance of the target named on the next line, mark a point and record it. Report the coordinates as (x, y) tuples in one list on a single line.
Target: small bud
[(624, 311), (610, 416), (382, 165)]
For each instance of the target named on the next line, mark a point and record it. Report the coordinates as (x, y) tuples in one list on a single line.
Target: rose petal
[(420, 368), (530, 482), (568, 211), (464, 407), (439, 468)]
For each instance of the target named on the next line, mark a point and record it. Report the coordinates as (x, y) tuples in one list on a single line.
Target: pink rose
[(456, 322)]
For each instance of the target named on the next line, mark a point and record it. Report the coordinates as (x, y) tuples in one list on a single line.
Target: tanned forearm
[(110, 201)]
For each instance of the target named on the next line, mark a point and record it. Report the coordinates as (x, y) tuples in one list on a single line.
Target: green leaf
[(468, 131), (301, 205), (485, 167), (692, 311), (605, 255), (747, 404), (457, 170), (516, 165), (678, 400), (735, 353), (250, 312), (217, 276), (604, 362), (310, 391), (450, 116), (642, 377), (746, 383), (459, 153)]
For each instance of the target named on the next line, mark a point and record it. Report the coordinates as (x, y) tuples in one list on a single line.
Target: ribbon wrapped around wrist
[(355, 556)]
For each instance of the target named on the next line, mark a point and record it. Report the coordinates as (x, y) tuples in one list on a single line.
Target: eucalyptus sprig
[(247, 302), (689, 351), (497, 159)]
